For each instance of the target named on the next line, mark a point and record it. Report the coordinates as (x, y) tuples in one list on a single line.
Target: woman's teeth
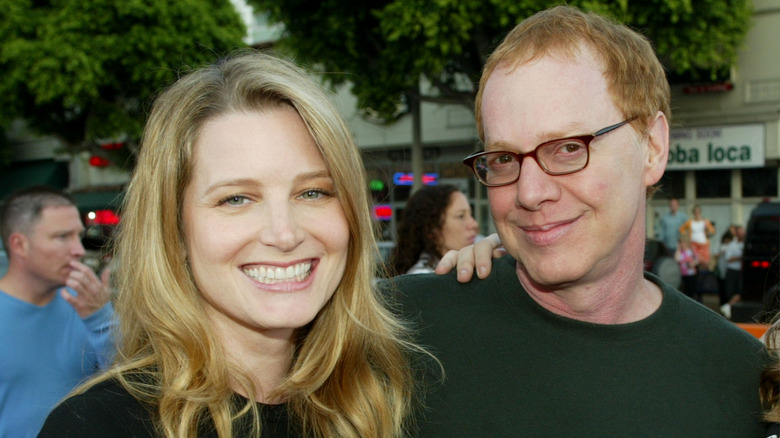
[(272, 275)]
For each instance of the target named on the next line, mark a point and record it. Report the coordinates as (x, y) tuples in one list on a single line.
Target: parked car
[(761, 257)]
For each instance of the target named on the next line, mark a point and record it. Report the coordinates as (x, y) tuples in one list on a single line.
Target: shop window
[(672, 185), (713, 183), (759, 183)]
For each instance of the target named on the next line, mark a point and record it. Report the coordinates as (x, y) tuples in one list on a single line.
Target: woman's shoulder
[(106, 409)]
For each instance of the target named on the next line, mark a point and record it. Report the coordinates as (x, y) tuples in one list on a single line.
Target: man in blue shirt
[(670, 224), (55, 317)]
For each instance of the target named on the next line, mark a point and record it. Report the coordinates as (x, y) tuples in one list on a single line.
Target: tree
[(87, 70), (387, 46)]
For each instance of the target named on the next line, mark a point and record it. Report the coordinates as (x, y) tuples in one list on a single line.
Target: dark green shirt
[(514, 369)]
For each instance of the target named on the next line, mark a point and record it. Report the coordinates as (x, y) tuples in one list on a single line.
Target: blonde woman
[(246, 249), (770, 380)]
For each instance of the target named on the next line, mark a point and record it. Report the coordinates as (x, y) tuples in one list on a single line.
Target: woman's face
[(266, 235), (459, 228)]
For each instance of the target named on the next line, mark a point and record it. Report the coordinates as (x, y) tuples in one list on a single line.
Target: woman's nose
[(280, 227)]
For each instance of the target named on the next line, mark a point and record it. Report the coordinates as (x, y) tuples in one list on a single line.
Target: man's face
[(673, 206), (53, 242), (575, 228)]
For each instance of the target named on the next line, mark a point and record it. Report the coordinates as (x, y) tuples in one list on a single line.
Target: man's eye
[(570, 147), (500, 160)]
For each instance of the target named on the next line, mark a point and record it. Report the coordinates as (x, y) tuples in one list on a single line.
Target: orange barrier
[(756, 330)]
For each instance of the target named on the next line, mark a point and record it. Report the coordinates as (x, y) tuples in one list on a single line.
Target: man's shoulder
[(410, 283), (706, 325)]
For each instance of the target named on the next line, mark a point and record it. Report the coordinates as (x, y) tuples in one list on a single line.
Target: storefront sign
[(717, 147)]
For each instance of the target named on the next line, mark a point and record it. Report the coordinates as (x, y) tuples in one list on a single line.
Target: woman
[(770, 380), (688, 262), (436, 219), (699, 230), (244, 285)]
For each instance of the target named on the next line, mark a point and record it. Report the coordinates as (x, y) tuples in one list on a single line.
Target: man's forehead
[(59, 217)]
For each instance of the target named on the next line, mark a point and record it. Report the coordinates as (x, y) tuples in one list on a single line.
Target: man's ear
[(18, 244), (657, 151)]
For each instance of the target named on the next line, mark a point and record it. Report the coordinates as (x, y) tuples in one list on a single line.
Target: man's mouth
[(277, 274)]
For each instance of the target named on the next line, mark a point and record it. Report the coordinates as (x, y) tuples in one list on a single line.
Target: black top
[(107, 410)]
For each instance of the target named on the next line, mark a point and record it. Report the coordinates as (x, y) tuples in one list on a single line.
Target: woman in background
[(688, 262), (246, 260), (699, 230), (436, 219)]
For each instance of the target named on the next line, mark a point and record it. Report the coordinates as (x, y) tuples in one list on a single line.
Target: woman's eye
[(234, 200), (314, 194)]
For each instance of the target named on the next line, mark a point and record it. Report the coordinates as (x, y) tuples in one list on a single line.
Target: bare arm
[(481, 255)]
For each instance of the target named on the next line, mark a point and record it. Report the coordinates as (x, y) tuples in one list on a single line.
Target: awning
[(31, 173)]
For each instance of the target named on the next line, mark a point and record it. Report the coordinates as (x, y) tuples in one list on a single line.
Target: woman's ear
[(657, 151)]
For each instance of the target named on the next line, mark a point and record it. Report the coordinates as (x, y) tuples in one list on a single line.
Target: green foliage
[(384, 47), (86, 70)]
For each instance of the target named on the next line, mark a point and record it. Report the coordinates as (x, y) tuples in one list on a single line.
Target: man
[(567, 337), (55, 318), (733, 256), (670, 224)]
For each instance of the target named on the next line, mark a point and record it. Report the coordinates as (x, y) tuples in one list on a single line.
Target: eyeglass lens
[(558, 157)]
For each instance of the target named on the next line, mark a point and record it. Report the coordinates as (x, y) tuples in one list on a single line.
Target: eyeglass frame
[(584, 139)]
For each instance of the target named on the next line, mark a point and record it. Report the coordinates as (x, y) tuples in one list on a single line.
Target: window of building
[(759, 182), (713, 183)]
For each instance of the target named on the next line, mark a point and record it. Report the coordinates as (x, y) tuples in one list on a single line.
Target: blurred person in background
[(245, 279), (721, 266), (436, 219), (688, 262), (733, 256), (55, 315), (698, 230), (670, 223)]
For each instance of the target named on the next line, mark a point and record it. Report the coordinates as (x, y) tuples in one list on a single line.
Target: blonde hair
[(349, 377), (770, 378)]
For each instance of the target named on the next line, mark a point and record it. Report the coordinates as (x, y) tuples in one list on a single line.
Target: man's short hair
[(636, 80), (22, 209)]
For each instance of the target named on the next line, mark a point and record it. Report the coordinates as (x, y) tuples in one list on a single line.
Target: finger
[(465, 273), (499, 252), (83, 279), (465, 263), (86, 271), (484, 252), (447, 262), (67, 296), (105, 276)]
